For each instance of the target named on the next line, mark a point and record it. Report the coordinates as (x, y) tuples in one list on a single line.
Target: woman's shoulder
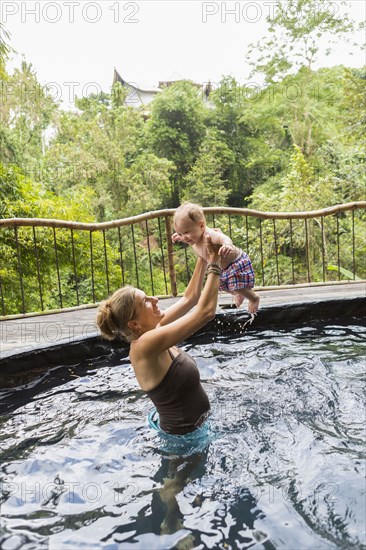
[(138, 350), (142, 351), (149, 369)]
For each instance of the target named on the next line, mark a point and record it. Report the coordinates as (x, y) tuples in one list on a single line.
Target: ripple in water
[(282, 464)]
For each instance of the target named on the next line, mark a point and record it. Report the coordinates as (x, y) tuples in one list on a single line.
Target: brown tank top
[(180, 400)]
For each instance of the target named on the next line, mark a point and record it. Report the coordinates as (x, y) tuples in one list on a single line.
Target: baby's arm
[(218, 237)]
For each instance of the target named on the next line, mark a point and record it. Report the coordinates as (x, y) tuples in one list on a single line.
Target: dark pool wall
[(293, 314), (228, 320)]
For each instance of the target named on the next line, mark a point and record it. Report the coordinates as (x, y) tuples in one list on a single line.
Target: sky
[(74, 45)]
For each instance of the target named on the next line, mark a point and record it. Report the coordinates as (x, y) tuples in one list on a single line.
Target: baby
[(237, 276)]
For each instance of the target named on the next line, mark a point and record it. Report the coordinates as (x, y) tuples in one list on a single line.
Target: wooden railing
[(48, 265)]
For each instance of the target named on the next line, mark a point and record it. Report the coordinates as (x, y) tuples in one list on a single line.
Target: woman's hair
[(115, 312), (190, 210)]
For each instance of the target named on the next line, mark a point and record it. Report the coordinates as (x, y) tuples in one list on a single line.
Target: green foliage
[(303, 109), (303, 190), (236, 131), (297, 144), (148, 181), (300, 189), (296, 27), (248, 134), (354, 103), (205, 183), (10, 184), (176, 128), (4, 50), (27, 110), (345, 163), (96, 147), (29, 200), (345, 272)]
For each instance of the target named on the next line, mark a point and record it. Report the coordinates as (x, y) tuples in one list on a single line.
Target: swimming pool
[(281, 464)]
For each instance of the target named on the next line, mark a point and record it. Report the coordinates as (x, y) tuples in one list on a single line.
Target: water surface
[(281, 466)]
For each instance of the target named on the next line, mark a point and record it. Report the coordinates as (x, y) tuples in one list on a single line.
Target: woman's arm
[(190, 296), (155, 341)]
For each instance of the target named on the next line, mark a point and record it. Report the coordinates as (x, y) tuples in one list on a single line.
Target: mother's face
[(147, 313)]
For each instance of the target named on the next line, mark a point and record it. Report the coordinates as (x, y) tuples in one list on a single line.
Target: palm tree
[(4, 48)]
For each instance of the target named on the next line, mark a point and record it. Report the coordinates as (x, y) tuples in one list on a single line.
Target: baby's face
[(191, 232)]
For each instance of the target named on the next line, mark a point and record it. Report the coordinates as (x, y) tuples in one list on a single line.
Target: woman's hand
[(212, 250), (226, 250)]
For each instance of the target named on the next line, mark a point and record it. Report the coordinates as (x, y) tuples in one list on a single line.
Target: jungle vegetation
[(295, 143)]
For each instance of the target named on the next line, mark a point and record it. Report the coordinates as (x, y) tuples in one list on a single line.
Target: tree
[(175, 130), (22, 197), (148, 181), (4, 50), (28, 112), (205, 183), (96, 146), (296, 28), (345, 163), (253, 158), (303, 109), (354, 102), (302, 190)]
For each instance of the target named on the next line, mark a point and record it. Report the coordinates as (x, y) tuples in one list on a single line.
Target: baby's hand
[(176, 238), (225, 250)]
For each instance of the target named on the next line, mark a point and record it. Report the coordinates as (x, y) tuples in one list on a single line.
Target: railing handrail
[(45, 222), (34, 260)]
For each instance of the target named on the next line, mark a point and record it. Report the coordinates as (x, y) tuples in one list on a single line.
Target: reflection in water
[(175, 474), (280, 466)]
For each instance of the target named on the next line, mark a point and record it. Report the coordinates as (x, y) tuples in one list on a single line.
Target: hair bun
[(115, 312)]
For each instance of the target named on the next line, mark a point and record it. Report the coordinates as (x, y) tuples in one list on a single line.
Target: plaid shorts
[(237, 275)]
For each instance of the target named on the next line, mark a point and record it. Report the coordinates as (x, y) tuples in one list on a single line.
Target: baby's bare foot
[(238, 299), (253, 305)]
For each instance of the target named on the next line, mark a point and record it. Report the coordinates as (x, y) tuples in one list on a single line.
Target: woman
[(169, 376)]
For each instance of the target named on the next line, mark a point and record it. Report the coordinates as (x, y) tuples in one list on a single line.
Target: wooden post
[(172, 274)]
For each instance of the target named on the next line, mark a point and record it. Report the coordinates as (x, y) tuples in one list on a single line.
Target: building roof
[(206, 87), (117, 78)]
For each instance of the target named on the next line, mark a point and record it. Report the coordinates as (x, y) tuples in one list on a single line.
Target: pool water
[(280, 465)]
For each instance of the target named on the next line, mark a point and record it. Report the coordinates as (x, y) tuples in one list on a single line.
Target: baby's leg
[(250, 295)]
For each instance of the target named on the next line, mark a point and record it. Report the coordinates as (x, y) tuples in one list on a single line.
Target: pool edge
[(68, 351)]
